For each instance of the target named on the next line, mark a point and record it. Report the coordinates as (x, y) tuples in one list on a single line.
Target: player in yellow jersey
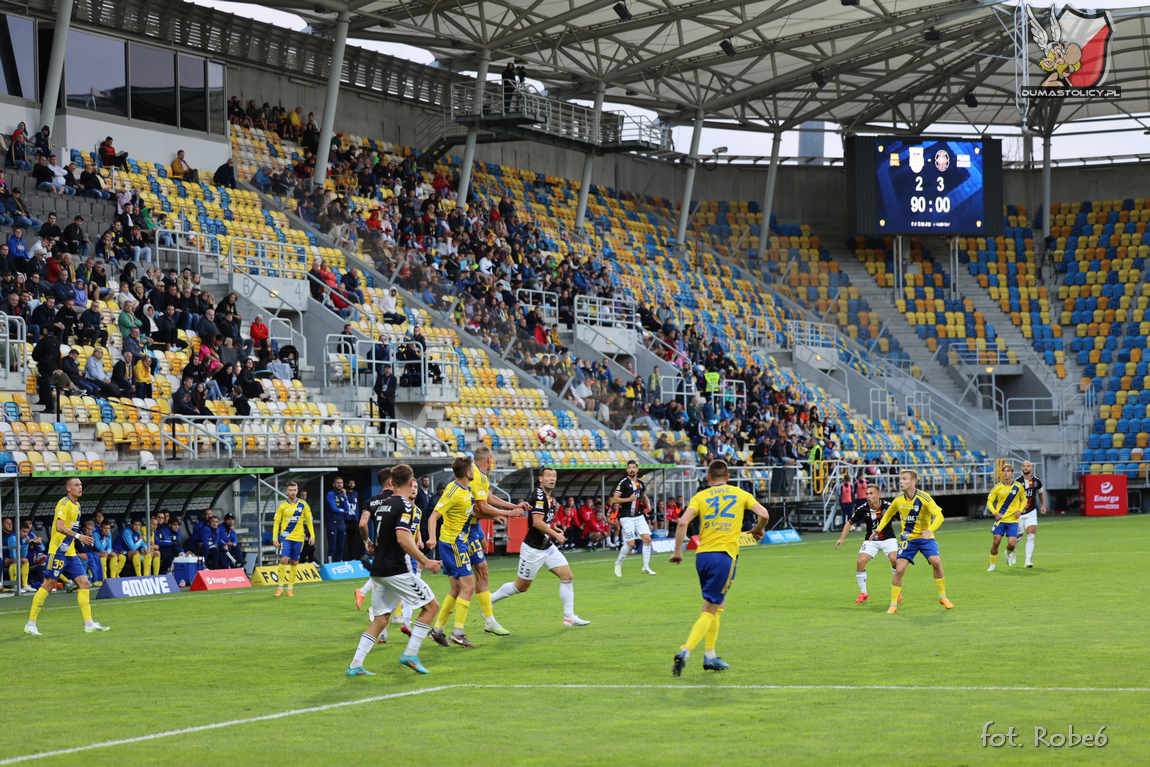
[(62, 559), (921, 516), (486, 506), (454, 507), (721, 508), (288, 534), (1007, 502)]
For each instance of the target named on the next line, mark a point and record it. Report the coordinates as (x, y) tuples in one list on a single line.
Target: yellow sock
[(136, 563), (37, 603), (156, 564), (713, 632), (282, 576), (147, 564), (121, 563), (484, 598), (993, 558), (114, 565), (699, 630), (941, 583), (461, 607), (24, 570), (445, 612), (12, 572), (894, 592), (83, 597), (291, 577)]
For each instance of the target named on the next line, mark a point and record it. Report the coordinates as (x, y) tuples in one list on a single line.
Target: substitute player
[(868, 511), (62, 559), (1007, 501), (721, 508), (627, 495), (486, 506), (1035, 501), (539, 550), (392, 579), (292, 516), (921, 516)]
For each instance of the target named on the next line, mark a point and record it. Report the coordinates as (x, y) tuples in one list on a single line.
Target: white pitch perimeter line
[(410, 693)]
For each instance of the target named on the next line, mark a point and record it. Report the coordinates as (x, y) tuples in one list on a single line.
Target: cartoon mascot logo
[(1076, 49)]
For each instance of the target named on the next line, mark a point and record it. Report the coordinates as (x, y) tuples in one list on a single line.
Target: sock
[(37, 603), (121, 560), (24, 571), (624, 550), (1029, 546), (418, 634), (484, 598), (461, 608), (83, 597), (504, 591), (712, 636), (893, 570), (445, 612), (941, 583), (861, 578), (646, 556), (567, 597), (993, 558), (698, 631), (365, 589), (12, 572), (291, 577), (894, 592), (282, 576), (156, 564), (147, 564), (366, 642), (136, 564)]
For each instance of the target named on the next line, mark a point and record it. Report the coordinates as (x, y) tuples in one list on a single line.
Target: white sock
[(709, 654), (504, 591), (418, 634), (893, 570), (365, 589), (861, 578), (624, 550), (567, 597), (646, 556), (366, 642), (1029, 546)]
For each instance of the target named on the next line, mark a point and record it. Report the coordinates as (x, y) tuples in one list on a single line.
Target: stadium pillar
[(54, 75), (689, 184), (769, 193), (1045, 188), (327, 125), (472, 133), (589, 159)]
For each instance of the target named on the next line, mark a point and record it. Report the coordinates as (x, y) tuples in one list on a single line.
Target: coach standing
[(335, 513)]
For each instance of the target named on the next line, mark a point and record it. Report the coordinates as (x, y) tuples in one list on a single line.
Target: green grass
[(1075, 621)]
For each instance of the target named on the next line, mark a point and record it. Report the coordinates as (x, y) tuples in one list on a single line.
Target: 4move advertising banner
[(214, 580), (139, 586), (1102, 495)]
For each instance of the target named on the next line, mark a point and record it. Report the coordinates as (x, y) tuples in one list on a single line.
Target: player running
[(721, 507), (364, 521), (1035, 501), (486, 506), (868, 511), (292, 516), (921, 516), (1007, 501), (539, 550), (633, 519), (62, 559), (392, 579)]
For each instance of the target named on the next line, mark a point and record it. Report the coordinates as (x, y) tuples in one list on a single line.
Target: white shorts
[(531, 560), (872, 548), (634, 527), (387, 593), (1028, 519)]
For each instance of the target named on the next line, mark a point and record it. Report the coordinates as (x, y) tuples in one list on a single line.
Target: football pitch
[(239, 677)]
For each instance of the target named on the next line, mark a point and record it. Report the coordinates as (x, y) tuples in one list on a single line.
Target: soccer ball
[(547, 434)]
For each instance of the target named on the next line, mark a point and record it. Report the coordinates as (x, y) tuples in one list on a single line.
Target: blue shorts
[(291, 549), (456, 561), (1008, 529), (928, 547), (716, 574), (72, 567), (475, 545)]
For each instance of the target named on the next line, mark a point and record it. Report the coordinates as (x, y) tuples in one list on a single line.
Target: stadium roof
[(877, 63)]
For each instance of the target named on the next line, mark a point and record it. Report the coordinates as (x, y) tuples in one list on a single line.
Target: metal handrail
[(440, 354), (546, 301), (606, 312), (21, 338)]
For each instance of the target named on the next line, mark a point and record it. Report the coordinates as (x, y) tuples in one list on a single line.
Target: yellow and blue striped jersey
[(455, 508), (60, 544), (291, 518), (1007, 500), (720, 509), (919, 513)]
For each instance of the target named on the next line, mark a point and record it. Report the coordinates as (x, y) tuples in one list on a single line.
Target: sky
[(1119, 142)]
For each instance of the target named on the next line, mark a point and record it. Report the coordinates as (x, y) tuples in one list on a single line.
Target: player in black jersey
[(392, 579), (1035, 500), (364, 521), (539, 550), (632, 517), (868, 511)]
